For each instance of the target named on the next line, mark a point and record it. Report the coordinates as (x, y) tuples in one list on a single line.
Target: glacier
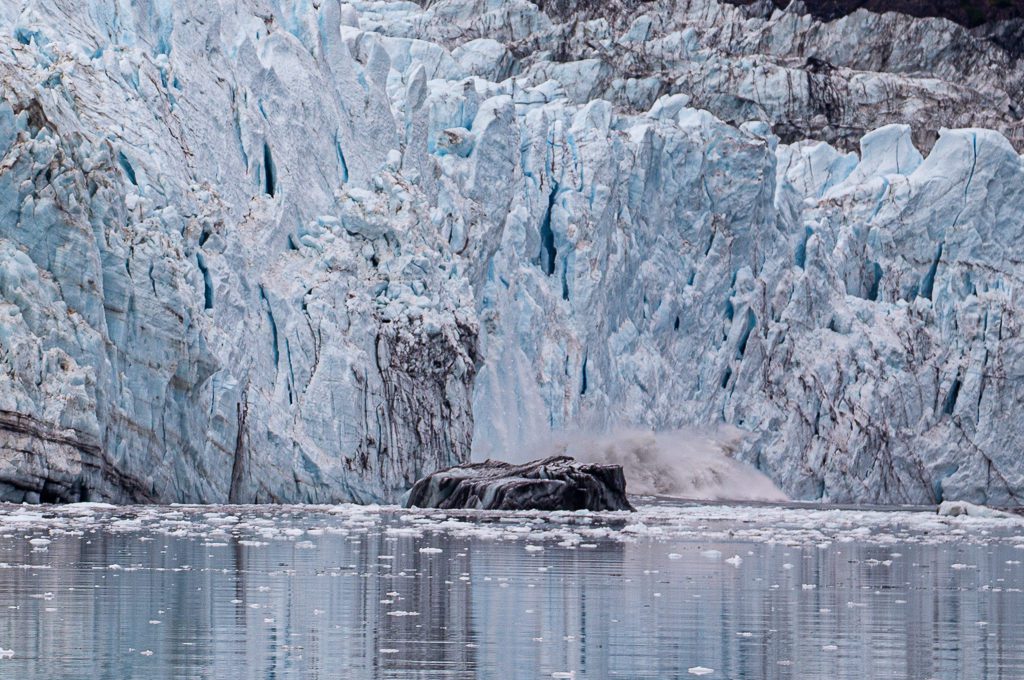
[(309, 251)]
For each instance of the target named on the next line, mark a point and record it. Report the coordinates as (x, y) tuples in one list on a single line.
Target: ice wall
[(309, 251), (856, 320), (217, 285)]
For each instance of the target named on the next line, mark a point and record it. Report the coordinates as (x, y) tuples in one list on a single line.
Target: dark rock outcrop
[(556, 483), (964, 12), (823, 70)]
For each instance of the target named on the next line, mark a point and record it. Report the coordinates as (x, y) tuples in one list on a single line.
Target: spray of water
[(693, 464)]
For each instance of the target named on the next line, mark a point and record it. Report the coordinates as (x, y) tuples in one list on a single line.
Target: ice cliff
[(310, 251)]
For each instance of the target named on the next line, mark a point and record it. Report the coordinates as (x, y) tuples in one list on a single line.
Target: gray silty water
[(672, 591)]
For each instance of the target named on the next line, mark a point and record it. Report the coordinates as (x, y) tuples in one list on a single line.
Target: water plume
[(693, 464)]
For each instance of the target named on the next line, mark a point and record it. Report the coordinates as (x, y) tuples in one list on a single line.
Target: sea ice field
[(674, 590)]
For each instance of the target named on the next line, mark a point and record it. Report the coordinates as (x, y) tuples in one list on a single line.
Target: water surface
[(672, 591)]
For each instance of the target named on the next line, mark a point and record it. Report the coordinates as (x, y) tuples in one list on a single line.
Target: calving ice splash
[(690, 464)]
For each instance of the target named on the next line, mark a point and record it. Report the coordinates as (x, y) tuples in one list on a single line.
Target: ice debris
[(555, 483)]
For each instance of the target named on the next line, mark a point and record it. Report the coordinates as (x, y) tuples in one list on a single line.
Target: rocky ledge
[(964, 12), (556, 483)]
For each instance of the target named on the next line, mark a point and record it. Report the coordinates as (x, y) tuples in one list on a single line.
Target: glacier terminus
[(311, 251)]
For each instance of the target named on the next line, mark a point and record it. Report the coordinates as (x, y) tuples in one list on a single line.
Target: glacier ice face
[(217, 285), (291, 251), (831, 81), (857, 321)]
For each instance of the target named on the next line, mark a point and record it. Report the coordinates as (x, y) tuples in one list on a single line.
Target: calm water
[(345, 592)]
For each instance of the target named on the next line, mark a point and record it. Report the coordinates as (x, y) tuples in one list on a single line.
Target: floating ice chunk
[(23, 517), (963, 508), (735, 561), (88, 506), (700, 670)]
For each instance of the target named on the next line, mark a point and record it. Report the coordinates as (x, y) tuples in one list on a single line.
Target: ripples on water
[(355, 592)]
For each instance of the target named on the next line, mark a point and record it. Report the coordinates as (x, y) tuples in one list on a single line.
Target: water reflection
[(199, 593)]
